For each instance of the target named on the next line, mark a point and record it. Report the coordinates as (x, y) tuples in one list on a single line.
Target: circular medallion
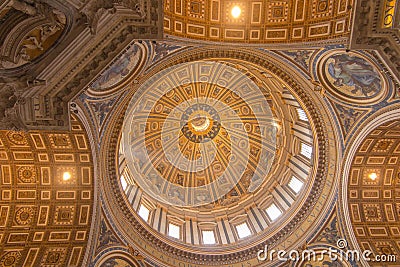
[(24, 216), (10, 259), (17, 138), (27, 174), (351, 76), (128, 64)]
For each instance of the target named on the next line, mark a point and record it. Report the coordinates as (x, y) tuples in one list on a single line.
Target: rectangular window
[(124, 184), (243, 230), (302, 114), (208, 237), (306, 150), (295, 184), (174, 231), (273, 212), (144, 212)]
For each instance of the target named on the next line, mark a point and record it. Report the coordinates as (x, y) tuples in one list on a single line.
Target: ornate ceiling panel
[(263, 21), (374, 192), (38, 40), (46, 197)]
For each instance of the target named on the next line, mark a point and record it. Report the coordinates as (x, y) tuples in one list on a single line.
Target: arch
[(383, 116)]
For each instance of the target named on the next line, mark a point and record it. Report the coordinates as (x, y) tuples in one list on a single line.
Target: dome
[(217, 153), (200, 133)]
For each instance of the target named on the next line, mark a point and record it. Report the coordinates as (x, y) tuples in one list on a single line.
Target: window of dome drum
[(144, 212), (243, 230), (174, 231), (306, 150), (302, 114), (208, 237), (295, 184), (273, 212), (124, 184)]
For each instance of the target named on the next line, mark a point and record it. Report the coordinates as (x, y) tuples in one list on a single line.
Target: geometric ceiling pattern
[(46, 199), (263, 21), (374, 192)]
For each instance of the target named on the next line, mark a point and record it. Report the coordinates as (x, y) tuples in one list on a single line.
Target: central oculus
[(200, 123)]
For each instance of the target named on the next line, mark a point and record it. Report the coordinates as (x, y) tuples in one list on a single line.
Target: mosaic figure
[(355, 72)]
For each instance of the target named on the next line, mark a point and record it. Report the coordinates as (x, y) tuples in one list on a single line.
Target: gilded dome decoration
[(218, 154), (196, 130)]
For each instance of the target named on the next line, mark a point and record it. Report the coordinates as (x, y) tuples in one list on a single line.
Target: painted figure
[(354, 71), (117, 70)]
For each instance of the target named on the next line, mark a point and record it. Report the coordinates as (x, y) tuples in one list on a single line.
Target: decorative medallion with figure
[(351, 76), (32, 28), (128, 62)]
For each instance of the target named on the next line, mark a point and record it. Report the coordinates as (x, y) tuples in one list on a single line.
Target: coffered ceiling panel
[(374, 192), (46, 199), (258, 21)]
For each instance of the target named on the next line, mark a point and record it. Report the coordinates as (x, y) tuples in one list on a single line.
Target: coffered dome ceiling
[(219, 154), (285, 21), (208, 131)]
